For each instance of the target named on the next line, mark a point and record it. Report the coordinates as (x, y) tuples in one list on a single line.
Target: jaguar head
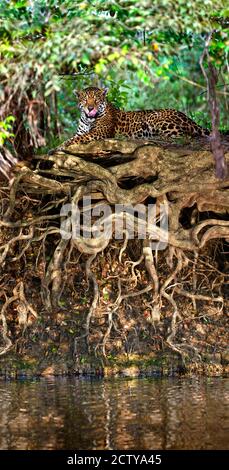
[(92, 101)]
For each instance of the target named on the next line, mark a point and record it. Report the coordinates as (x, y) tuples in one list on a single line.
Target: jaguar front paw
[(52, 151), (56, 149)]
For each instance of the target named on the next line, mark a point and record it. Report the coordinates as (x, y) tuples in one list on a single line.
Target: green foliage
[(147, 53), (5, 129)]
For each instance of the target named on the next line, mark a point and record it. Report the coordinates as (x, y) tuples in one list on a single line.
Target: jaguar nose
[(90, 108)]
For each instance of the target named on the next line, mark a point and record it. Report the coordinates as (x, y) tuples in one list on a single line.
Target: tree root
[(147, 175), (91, 278), (23, 309)]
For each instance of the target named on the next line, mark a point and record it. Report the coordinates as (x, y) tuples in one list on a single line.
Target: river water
[(78, 413)]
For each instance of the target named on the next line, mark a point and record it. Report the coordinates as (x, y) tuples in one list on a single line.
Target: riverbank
[(163, 365), (147, 298), (52, 348)]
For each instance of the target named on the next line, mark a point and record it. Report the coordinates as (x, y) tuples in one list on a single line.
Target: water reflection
[(116, 414)]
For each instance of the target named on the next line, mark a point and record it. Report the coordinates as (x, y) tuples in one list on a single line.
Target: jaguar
[(100, 119)]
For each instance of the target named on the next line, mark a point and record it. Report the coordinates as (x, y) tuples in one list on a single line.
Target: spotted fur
[(100, 119)]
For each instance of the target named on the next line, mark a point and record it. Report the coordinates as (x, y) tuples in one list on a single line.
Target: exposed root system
[(145, 282)]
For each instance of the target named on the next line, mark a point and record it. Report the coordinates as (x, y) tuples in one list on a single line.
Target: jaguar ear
[(76, 93), (105, 91)]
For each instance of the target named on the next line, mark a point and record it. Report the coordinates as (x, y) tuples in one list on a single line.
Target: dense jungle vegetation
[(147, 54)]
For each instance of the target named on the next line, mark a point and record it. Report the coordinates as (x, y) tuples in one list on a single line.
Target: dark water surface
[(115, 414)]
